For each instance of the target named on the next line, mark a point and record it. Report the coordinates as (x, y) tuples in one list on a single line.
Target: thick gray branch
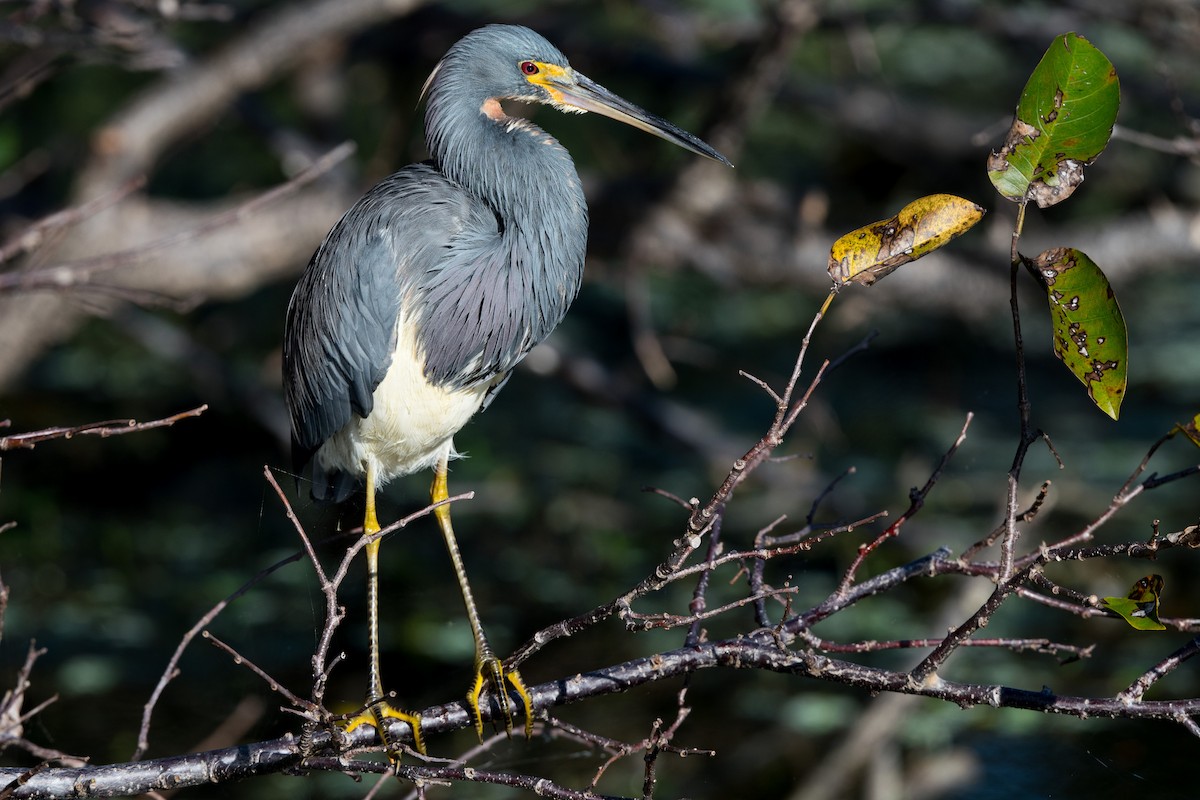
[(760, 650)]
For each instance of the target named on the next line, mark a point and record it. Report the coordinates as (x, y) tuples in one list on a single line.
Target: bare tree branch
[(27, 441), (760, 650)]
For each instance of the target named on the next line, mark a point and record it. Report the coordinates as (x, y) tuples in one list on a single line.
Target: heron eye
[(529, 68)]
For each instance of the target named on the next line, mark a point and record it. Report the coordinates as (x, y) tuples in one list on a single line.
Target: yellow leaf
[(871, 252)]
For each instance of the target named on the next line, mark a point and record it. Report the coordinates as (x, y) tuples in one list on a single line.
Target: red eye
[(529, 68)]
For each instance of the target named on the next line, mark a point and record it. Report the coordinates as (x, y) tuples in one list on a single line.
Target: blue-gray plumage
[(431, 289)]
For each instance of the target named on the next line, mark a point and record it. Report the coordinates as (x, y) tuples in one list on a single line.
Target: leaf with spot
[(1140, 608), (1064, 120), (871, 252), (1089, 332)]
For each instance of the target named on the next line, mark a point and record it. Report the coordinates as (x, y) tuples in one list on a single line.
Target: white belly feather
[(412, 424)]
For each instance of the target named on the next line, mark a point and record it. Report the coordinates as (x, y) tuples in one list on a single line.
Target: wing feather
[(341, 323)]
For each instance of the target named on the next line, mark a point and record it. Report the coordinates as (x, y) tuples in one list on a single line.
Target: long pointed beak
[(583, 94)]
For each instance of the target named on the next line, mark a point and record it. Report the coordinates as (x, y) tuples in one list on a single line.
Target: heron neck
[(525, 176), (529, 277), (516, 167)]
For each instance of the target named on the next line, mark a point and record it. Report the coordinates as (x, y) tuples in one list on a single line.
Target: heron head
[(510, 62)]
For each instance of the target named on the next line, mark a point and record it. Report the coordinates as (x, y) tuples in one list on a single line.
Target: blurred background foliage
[(121, 544)]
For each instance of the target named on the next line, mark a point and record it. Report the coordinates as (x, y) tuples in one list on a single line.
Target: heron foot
[(490, 670), (376, 714)]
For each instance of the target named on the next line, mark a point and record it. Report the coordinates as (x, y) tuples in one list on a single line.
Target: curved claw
[(492, 670), (376, 715)]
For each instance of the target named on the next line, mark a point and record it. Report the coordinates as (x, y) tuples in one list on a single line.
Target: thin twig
[(28, 441), (172, 669), (1043, 646), (1025, 435), (1026, 516), (916, 503), (693, 620), (1138, 688), (34, 234), (699, 602), (275, 685)]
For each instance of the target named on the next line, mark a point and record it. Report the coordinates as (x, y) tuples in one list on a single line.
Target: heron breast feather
[(412, 421)]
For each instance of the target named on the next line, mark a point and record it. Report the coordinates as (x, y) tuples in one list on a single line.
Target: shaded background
[(694, 274)]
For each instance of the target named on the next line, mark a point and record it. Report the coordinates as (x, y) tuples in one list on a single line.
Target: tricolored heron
[(426, 294)]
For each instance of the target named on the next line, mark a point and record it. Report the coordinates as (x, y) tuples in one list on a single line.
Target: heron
[(421, 300)]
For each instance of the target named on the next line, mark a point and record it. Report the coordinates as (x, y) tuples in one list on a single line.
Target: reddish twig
[(1042, 646), (916, 502), (28, 441), (275, 685)]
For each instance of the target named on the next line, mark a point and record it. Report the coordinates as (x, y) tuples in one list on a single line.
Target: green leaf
[(1140, 608), (871, 252), (1132, 613), (1063, 122), (1089, 332)]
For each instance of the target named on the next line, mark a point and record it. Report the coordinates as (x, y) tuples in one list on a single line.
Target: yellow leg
[(378, 710), (487, 667)]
